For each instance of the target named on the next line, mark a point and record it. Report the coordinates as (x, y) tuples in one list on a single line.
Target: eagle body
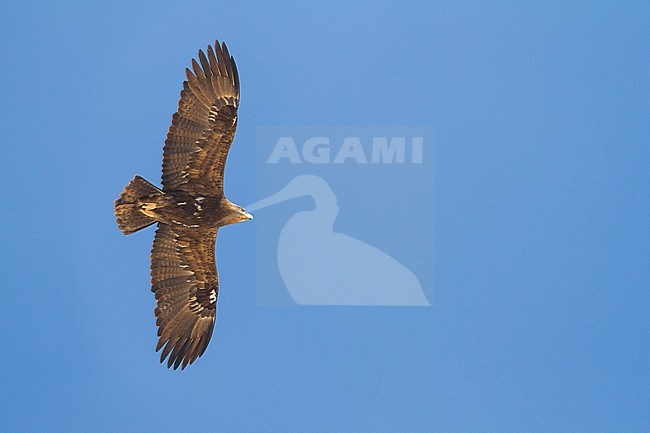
[(190, 207), (190, 210)]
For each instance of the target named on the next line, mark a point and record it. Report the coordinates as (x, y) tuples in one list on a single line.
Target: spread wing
[(184, 279), (203, 128)]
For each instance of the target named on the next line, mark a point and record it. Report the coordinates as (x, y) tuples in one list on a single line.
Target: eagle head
[(233, 214)]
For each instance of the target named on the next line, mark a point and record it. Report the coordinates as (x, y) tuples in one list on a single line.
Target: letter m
[(386, 152)]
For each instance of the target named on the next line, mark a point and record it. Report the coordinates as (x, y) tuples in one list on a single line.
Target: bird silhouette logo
[(322, 267)]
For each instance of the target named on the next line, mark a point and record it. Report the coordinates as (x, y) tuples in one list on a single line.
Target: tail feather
[(128, 207)]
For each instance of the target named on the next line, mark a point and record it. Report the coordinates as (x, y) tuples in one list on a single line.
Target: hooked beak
[(247, 216)]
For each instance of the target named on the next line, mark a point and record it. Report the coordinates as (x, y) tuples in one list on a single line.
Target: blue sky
[(542, 267)]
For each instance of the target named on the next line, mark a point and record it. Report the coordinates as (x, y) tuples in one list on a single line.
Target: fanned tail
[(128, 207)]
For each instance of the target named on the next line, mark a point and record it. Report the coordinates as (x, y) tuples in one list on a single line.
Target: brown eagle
[(190, 207)]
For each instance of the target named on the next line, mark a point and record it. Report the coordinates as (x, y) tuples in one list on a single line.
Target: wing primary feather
[(168, 347), (195, 351), (189, 73), (205, 64), (217, 44), (206, 339), (214, 66), (222, 61), (188, 352), (228, 57), (161, 342), (179, 356), (174, 352), (235, 74), (197, 69)]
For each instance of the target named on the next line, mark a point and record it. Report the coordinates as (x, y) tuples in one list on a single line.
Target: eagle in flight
[(190, 207)]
